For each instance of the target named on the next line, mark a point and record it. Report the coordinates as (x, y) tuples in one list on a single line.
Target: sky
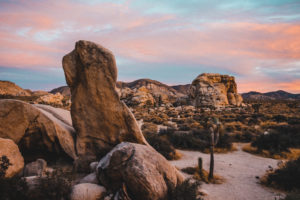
[(172, 41)]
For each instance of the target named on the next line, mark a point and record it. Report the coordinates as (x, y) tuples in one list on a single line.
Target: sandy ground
[(239, 169)]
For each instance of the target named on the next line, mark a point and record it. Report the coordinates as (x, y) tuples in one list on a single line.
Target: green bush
[(162, 145), (280, 139), (287, 177)]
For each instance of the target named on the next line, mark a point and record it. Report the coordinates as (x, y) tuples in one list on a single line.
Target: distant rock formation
[(214, 90), (276, 95), (184, 89), (146, 91), (143, 171), (63, 90), (36, 129), (51, 99), (8, 88), (100, 119)]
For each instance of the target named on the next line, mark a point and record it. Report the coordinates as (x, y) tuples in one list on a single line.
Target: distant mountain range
[(276, 95), (9, 88)]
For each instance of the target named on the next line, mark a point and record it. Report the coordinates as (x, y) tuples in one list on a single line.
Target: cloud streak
[(258, 41)]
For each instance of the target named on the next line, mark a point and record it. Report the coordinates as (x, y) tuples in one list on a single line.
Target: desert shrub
[(293, 120), (187, 141), (197, 139), (13, 188), (280, 138), (280, 118), (293, 196), (163, 146), (54, 186), (149, 128), (4, 164), (188, 190), (286, 177)]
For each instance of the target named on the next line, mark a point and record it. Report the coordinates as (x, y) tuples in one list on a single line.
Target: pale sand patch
[(239, 169)]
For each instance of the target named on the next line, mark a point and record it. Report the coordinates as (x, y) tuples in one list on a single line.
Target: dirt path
[(239, 169)]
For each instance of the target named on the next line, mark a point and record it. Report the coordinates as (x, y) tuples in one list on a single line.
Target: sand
[(239, 169)]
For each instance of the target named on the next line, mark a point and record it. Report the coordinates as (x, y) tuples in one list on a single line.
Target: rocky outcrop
[(101, 120), (8, 88), (146, 92), (36, 130), (143, 172), (51, 99), (64, 90), (9, 149), (214, 90), (184, 89)]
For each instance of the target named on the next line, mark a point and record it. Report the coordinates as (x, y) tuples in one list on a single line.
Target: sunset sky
[(171, 41)]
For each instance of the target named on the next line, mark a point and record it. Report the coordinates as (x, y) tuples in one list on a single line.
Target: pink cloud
[(54, 26)]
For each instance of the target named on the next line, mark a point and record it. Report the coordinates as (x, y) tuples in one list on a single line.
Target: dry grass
[(177, 155), (293, 154), (203, 176), (222, 150)]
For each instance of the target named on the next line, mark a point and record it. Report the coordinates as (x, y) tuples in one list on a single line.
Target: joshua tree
[(214, 130)]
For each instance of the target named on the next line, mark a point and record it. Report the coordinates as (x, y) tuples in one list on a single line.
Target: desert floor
[(239, 169)]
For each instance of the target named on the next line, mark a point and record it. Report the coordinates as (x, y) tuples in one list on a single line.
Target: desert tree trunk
[(212, 162), (214, 138)]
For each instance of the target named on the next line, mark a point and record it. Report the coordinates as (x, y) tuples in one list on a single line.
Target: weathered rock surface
[(51, 99), (87, 191), (100, 119), (214, 90), (90, 178), (145, 173), (11, 89), (35, 129), (36, 168), (146, 92), (9, 149)]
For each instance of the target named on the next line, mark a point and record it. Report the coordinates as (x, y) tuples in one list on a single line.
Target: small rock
[(87, 191), (36, 168)]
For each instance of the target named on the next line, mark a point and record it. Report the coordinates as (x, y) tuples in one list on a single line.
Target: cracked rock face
[(214, 90), (35, 130), (141, 170), (100, 119)]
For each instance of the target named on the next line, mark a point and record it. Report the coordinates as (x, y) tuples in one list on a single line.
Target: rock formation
[(145, 173), (35, 129), (100, 119), (9, 149), (51, 99), (8, 88), (146, 92), (214, 90), (64, 90)]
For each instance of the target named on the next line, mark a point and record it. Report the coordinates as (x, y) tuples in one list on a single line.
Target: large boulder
[(214, 90), (145, 173), (34, 129), (100, 119), (9, 149)]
